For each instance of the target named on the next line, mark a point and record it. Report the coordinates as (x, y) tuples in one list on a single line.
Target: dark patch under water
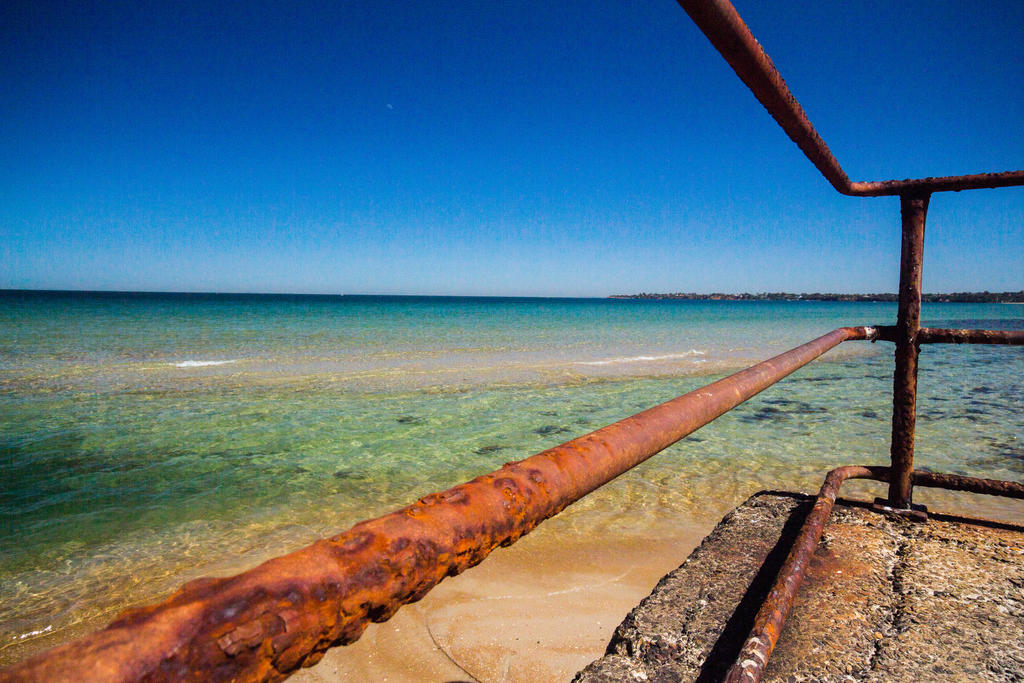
[(830, 378), (766, 414), (549, 430), (789, 407), (347, 474), (1006, 448)]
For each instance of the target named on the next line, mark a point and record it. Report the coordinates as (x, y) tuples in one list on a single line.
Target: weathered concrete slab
[(883, 600)]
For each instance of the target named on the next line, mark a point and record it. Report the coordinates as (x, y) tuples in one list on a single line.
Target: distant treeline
[(955, 297)]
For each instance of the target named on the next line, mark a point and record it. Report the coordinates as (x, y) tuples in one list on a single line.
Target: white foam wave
[(640, 359), (200, 363), (23, 636)]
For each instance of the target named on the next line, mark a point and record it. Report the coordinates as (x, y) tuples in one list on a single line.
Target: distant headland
[(955, 297)]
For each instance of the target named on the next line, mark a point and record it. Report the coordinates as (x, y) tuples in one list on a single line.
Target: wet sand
[(537, 611)]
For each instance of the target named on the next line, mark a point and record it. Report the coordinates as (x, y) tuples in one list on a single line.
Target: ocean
[(149, 439)]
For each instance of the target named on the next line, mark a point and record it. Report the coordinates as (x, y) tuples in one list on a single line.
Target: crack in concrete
[(895, 624)]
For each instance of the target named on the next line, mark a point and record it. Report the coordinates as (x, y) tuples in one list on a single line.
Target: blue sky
[(519, 148)]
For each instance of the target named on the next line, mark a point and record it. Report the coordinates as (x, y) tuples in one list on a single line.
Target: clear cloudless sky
[(482, 148)]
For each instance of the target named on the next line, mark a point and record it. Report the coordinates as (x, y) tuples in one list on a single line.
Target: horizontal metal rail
[(726, 30), (284, 614), (933, 335), (753, 658)]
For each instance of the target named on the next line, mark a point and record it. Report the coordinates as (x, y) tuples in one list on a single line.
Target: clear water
[(147, 440)]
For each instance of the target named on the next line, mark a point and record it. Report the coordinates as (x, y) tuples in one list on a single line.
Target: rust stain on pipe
[(284, 614), (726, 30)]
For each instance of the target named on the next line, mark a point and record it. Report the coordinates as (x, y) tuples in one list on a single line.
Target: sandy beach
[(539, 610)]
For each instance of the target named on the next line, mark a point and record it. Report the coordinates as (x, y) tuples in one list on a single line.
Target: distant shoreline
[(954, 297)]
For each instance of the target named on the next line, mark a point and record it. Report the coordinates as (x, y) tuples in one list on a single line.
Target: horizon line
[(638, 295)]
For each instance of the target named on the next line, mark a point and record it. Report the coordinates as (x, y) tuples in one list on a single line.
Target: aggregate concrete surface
[(884, 599)]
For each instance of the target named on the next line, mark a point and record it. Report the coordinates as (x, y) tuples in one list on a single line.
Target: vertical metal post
[(913, 209)]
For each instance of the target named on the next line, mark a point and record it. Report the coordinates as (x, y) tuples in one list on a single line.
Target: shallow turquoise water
[(148, 440)]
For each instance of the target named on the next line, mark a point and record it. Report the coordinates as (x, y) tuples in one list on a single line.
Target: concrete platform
[(884, 600)]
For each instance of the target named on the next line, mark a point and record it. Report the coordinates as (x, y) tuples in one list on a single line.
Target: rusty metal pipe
[(757, 649), (753, 658), (933, 335), (940, 335), (728, 33), (955, 482), (978, 181), (284, 614), (908, 322), (726, 30)]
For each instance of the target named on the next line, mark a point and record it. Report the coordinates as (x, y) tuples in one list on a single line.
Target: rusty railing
[(722, 25)]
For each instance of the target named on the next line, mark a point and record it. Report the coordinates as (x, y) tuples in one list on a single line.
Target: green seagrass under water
[(148, 440)]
